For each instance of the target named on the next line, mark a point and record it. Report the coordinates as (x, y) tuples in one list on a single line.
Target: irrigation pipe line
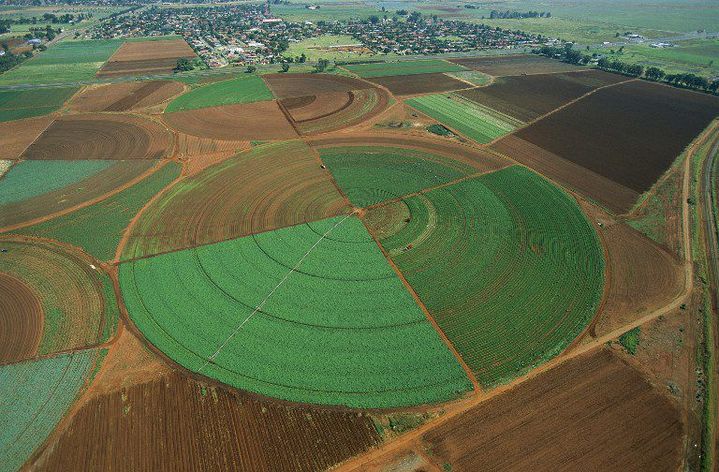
[(211, 359)]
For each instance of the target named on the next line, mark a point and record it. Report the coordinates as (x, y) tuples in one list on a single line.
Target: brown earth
[(529, 97), (247, 121), (16, 136), (317, 106), (146, 57), (125, 96), (143, 67), (101, 136), (21, 320), (630, 133), (176, 423), (200, 162), (303, 85), (189, 146), (420, 83), (594, 412), (281, 184), (602, 190), (515, 65), (93, 187)]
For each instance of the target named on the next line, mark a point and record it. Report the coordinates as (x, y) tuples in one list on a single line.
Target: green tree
[(251, 69), (183, 64), (285, 67)]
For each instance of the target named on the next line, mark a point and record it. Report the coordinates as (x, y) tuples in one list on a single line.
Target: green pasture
[(239, 90), (384, 69), (506, 263), (18, 104), (323, 318)]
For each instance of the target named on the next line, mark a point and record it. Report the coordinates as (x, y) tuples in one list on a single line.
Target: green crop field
[(339, 329), (18, 104), (240, 90), (506, 263), (32, 178), (474, 121), (34, 396), (98, 228), (372, 174), (384, 69), (65, 62), (324, 47)]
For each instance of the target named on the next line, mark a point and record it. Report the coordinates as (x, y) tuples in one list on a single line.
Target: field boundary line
[(211, 359)]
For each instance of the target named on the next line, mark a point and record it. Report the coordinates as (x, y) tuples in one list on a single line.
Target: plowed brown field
[(591, 413), (420, 83), (21, 320), (16, 136), (528, 97), (178, 424), (317, 106), (126, 96), (272, 186), (630, 133), (643, 277), (608, 193), (515, 65), (101, 136), (361, 106), (248, 121), (303, 85), (146, 57)]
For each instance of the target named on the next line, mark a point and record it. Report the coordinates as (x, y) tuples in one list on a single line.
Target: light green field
[(29, 179), (506, 263), (474, 77), (340, 329), (321, 47), (240, 90), (468, 118), (328, 12), (34, 397), (384, 69), (369, 175), (98, 228), (18, 104)]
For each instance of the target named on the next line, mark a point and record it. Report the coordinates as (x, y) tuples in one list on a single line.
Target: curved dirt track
[(101, 136), (21, 320), (126, 96), (245, 121)]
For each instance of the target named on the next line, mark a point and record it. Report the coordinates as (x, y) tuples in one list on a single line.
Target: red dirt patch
[(317, 106), (247, 121), (146, 57), (126, 96), (16, 136), (101, 136), (21, 320), (303, 85), (515, 65), (420, 83)]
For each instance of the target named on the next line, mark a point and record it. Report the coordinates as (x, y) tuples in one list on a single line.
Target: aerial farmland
[(465, 248)]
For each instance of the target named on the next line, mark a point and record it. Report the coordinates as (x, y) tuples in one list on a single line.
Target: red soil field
[(317, 106), (93, 187), (361, 106), (21, 320), (592, 413), (630, 133), (529, 97), (176, 423), (143, 67), (281, 185), (515, 65), (146, 57), (420, 83), (17, 135), (303, 85), (101, 136), (248, 121), (126, 96)]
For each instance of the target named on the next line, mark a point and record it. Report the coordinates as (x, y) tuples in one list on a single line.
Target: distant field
[(421, 83), (324, 47), (350, 333), (517, 64), (239, 90), (506, 263), (479, 123), (18, 104), (383, 69), (472, 76)]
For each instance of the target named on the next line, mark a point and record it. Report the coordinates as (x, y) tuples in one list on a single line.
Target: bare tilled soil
[(176, 423), (360, 107), (140, 67), (515, 65), (101, 136), (317, 106), (126, 96), (303, 85), (21, 320), (420, 83), (16, 136), (248, 121), (592, 413), (146, 57)]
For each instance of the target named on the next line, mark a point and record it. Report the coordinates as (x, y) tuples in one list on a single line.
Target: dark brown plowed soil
[(178, 424), (247, 121), (16, 136), (146, 57), (515, 65), (21, 320), (529, 97), (321, 105), (592, 413), (126, 96), (97, 136), (630, 133), (141, 67), (303, 85), (359, 106), (420, 83)]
